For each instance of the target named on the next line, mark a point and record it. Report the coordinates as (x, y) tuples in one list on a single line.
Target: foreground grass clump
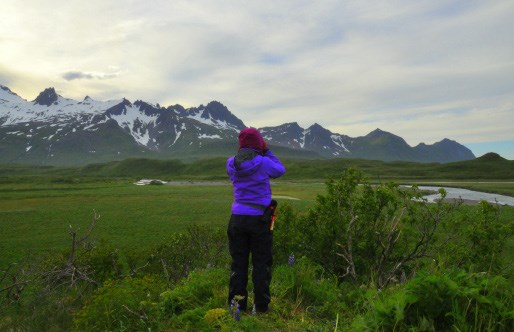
[(126, 304), (302, 299), (449, 301)]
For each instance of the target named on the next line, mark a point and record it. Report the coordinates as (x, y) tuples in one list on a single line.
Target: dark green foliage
[(368, 232), (485, 167), (129, 304), (186, 305), (103, 260), (451, 301), (286, 234), (475, 239), (306, 286), (199, 247), (303, 299)]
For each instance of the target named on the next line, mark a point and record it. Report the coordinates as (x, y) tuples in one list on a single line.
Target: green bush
[(197, 248), (303, 298), (186, 305), (369, 233), (129, 304), (103, 260), (286, 236), (306, 286), (475, 238), (453, 300)]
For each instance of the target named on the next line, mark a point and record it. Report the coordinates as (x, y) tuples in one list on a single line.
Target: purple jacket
[(250, 173)]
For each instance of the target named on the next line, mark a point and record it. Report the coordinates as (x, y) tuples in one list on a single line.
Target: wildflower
[(290, 260), (238, 313), (235, 311)]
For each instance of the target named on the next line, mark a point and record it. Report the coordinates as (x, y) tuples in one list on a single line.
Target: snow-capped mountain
[(55, 130), (315, 138)]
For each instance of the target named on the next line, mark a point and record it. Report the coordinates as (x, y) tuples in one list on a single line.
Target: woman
[(250, 171)]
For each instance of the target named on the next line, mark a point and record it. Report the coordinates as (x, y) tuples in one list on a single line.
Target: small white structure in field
[(145, 182)]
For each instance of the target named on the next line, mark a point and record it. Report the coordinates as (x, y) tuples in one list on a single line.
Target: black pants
[(248, 234)]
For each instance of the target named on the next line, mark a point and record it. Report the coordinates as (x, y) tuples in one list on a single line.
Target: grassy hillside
[(488, 167)]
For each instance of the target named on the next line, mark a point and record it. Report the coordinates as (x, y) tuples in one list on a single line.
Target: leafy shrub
[(303, 298), (369, 233), (186, 305), (286, 236), (126, 304), (305, 286), (475, 238), (446, 301), (198, 248), (103, 260)]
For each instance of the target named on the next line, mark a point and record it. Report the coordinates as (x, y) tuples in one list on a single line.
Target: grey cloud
[(78, 75)]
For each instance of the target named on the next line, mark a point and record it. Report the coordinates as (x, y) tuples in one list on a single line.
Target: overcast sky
[(424, 70)]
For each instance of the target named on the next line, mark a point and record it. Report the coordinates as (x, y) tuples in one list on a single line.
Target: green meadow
[(36, 217)]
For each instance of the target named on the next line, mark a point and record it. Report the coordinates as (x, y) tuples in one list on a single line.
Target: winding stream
[(465, 194)]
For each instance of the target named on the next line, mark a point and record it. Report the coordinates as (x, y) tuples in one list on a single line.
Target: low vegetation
[(490, 167), (349, 255)]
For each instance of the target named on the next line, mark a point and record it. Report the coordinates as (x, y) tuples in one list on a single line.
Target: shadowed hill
[(488, 167)]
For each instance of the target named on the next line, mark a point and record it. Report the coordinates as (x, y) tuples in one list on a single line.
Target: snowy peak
[(217, 115), (47, 97), (315, 138), (289, 134), (6, 95), (7, 90)]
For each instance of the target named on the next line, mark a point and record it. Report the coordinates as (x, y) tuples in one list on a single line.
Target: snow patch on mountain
[(15, 110), (136, 122), (338, 140), (210, 121), (132, 116), (210, 136)]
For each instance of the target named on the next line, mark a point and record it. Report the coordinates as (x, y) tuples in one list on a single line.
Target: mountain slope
[(58, 131)]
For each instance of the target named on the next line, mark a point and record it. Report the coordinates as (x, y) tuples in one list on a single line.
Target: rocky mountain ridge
[(55, 130)]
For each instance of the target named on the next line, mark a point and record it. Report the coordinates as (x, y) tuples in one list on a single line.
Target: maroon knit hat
[(251, 138)]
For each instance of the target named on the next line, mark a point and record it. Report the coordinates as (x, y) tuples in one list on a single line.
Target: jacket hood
[(245, 163)]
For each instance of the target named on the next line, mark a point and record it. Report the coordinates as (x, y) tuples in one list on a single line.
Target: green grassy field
[(36, 217)]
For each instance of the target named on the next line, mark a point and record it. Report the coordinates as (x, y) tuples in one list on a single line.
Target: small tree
[(370, 232)]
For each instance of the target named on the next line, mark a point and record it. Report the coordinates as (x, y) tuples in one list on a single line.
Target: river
[(465, 194)]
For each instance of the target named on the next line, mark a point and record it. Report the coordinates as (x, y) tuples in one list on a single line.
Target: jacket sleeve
[(230, 169), (274, 167)]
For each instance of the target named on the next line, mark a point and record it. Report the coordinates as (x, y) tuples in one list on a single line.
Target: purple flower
[(238, 313), (290, 260)]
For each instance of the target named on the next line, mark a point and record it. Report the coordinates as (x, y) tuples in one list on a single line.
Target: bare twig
[(142, 316)]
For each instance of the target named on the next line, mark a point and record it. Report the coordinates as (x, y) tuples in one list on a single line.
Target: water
[(456, 193)]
